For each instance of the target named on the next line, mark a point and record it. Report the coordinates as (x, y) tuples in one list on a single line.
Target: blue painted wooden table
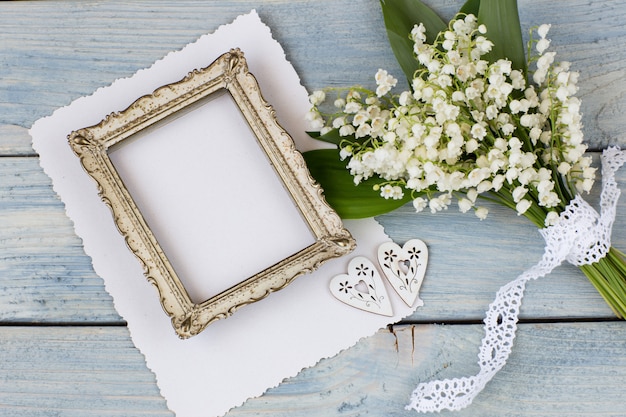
[(64, 350)]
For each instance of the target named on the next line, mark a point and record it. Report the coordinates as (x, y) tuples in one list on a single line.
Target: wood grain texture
[(48, 278), (75, 371), (476, 255), (555, 370), (115, 46), (45, 275), (56, 51)]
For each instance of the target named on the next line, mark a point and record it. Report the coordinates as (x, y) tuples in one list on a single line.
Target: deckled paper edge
[(311, 144), (343, 349)]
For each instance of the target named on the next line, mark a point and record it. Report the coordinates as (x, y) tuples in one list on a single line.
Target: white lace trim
[(581, 237)]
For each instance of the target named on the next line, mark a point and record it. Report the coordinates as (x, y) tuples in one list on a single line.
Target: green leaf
[(504, 30), (349, 201), (400, 16), (331, 137), (470, 7)]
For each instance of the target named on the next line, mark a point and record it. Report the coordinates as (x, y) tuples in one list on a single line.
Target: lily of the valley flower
[(467, 127)]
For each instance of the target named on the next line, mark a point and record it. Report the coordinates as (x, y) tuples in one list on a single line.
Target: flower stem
[(608, 276)]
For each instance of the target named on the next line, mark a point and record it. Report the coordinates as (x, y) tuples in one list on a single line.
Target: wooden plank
[(473, 259), (56, 51), (15, 141), (24, 88), (46, 277), (75, 371), (555, 370)]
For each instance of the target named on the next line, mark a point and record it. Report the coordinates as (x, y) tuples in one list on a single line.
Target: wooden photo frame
[(227, 78)]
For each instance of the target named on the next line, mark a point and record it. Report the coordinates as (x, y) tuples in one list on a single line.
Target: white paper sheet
[(261, 344)]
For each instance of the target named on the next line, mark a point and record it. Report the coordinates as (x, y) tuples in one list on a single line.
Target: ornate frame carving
[(228, 73)]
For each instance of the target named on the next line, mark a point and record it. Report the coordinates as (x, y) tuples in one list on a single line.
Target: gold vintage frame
[(229, 73)]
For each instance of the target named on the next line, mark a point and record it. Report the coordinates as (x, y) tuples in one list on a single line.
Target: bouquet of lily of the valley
[(476, 124), (485, 118)]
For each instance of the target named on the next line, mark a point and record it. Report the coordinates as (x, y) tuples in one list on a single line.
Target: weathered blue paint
[(65, 351)]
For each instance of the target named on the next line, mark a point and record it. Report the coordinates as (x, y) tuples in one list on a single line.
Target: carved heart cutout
[(404, 267), (362, 287)]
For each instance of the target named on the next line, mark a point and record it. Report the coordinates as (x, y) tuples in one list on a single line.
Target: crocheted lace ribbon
[(581, 236)]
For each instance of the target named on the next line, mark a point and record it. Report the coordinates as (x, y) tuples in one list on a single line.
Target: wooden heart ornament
[(404, 267), (362, 287)]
